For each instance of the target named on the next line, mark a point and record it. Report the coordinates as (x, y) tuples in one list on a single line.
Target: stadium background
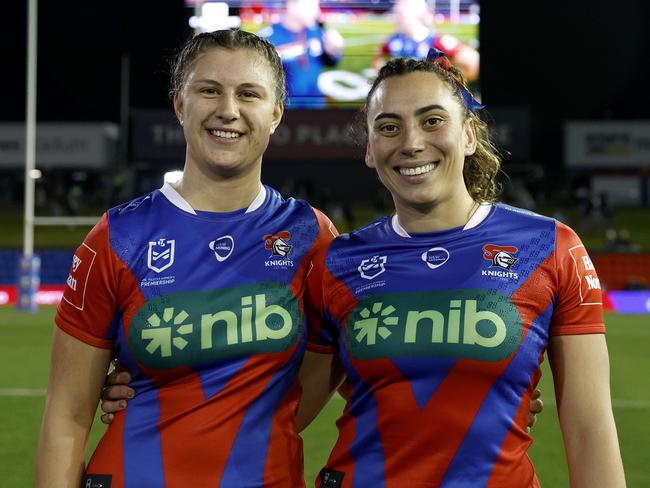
[(544, 65)]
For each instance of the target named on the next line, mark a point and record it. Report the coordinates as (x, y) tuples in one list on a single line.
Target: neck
[(218, 195), (436, 217)]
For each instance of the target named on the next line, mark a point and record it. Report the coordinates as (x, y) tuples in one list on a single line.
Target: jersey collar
[(178, 201), (477, 217)]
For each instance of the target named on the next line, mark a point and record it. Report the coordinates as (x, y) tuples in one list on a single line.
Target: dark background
[(561, 60)]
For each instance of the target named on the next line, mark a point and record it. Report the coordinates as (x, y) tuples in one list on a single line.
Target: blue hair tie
[(437, 56)]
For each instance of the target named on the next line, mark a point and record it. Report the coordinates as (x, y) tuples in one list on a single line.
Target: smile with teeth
[(225, 134), (418, 170)]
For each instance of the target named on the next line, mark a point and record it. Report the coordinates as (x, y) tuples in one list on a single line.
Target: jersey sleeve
[(319, 337), (88, 308), (579, 305)]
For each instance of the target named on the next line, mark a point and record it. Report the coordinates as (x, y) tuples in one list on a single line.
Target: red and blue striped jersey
[(441, 336), (205, 311)]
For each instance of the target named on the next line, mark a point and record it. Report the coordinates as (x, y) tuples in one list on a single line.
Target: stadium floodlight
[(173, 176)]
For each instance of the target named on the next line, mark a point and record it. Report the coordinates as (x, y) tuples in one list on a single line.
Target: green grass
[(24, 362)]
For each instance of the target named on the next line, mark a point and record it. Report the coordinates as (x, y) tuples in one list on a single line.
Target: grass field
[(25, 341)]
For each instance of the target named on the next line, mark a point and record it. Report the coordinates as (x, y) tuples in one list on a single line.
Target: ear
[(178, 107), (278, 112), (369, 159), (470, 137)]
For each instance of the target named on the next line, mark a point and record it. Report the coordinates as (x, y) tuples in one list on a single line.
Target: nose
[(227, 108), (413, 142)]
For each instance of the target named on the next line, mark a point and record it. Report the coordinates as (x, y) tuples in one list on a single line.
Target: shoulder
[(296, 209), (137, 206), (521, 215), (374, 232)]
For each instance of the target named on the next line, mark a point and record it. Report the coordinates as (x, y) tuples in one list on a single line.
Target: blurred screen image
[(332, 50)]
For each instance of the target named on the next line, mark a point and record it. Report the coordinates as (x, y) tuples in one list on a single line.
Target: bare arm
[(320, 375), (580, 366), (77, 373)]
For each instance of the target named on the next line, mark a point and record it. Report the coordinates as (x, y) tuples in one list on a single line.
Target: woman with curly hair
[(441, 313)]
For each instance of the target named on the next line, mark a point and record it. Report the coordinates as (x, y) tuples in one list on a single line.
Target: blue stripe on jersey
[(247, 459), (495, 417), (363, 407), (143, 465), (216, 375), (367, 441), (424, 375)]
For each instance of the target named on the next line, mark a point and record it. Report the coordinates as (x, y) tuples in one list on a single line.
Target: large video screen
[(331, 50)]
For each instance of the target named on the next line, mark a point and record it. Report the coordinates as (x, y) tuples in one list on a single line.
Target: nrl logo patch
[(373, 267), (160, 255)]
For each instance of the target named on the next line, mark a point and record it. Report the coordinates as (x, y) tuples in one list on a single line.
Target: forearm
[(593, 453), (320, 375), (77, 372), (580, 369), (61, 451)]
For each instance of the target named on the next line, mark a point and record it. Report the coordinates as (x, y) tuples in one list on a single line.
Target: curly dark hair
[(226, 39), (482, 167)]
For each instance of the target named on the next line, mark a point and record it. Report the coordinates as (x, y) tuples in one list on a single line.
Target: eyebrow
[(420, 111), (242, 85)]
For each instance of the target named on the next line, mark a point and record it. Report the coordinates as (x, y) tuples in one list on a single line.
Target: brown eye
[(388, 129), (432, 121), (209, 91)]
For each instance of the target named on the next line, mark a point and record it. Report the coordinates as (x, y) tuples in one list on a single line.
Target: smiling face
[(418, 137), (228, 110)]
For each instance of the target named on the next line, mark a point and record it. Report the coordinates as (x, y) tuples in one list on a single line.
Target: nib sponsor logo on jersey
[(280, 248), (502, 260), (471, 324), (194, 328), (160, 256)]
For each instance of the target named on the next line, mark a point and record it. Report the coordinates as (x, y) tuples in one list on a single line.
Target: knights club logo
[(373, 267), (500, 256), (278, 243), (160, 255)]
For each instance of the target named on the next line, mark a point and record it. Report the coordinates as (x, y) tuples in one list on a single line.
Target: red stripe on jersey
[(313, 296), (279, 449), (340, 456), (537, 292), (579, 308), (187, 418), (109, 453), (92, 274)]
